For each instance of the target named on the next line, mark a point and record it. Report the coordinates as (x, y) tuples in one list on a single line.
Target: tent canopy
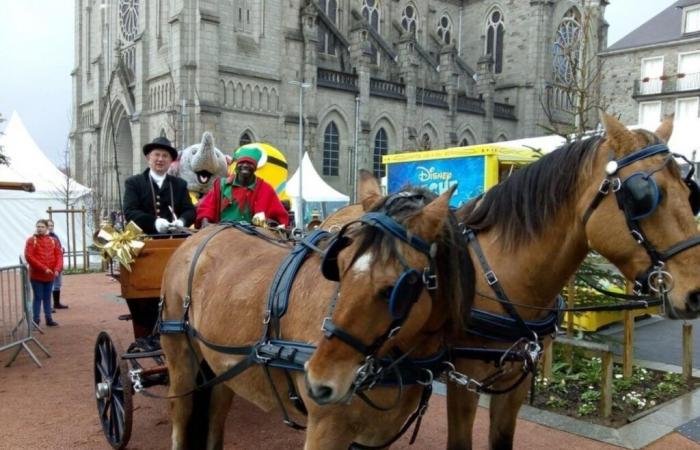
[(314, 189), (22, 209), (317, 194)]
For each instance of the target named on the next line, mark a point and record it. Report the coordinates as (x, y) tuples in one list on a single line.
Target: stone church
[(370, 77)]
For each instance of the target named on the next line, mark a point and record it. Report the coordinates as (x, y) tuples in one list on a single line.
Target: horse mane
[(522, 205), (455, 268)]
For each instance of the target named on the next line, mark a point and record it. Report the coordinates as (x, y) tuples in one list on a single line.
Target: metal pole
[(300, 219), (355, 152)]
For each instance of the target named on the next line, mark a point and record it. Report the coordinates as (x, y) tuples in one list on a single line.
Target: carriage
[(576, 205), (118, 373)]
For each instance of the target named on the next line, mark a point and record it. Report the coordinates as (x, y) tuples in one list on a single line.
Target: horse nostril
[(693, 300), (321, 393)]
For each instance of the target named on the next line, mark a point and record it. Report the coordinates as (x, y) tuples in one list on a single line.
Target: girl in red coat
[(43, 255)]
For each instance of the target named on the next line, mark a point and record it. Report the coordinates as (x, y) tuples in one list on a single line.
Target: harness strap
[(496, 286), (416, 417), (680, 247)]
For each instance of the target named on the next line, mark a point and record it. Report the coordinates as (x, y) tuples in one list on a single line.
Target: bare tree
[(572, 100)]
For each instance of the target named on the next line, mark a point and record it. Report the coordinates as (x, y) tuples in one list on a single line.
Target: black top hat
[(162, 143)]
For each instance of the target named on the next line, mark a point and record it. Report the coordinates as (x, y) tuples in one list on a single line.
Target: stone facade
[(179, 67), (624, 89)]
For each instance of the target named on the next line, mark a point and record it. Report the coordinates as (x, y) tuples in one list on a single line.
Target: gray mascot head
[(200, 164)]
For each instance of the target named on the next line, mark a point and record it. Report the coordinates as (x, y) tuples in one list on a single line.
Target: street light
[(302, 86)]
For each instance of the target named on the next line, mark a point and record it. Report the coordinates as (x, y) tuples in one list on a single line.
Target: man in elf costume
[(242, 196)]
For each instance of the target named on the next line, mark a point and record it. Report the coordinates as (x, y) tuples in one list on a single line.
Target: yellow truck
[(474, 169)]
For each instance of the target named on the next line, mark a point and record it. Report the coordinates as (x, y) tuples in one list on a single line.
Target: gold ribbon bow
[(121, 246)]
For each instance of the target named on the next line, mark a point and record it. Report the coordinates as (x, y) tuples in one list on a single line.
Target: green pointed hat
[(250, 154)]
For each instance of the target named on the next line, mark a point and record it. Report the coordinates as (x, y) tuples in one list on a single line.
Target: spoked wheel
[(113, 390)]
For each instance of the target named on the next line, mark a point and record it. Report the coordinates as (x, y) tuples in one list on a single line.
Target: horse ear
[(369, 192), (619, 137), (666, 128), (429, 222)]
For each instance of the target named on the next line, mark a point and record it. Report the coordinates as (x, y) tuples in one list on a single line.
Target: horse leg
[(461, 412), (181, 376), (327, 434), (221, 398), (503, 414)]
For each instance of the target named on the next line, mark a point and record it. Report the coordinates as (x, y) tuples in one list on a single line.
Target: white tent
[(22, 209), (684, 139), (314, 189)]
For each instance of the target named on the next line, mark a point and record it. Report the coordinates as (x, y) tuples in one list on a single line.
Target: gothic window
[(464, 142), (370, 11), (129, 19), (245, 139), (331, 144), (495, 29), (326, 42), (567, 47), (425, 143), (409, 19), (444, 29), (244, 16), (381, 147)]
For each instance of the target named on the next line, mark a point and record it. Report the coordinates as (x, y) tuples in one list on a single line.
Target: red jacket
[(43, 252), (262, 198)]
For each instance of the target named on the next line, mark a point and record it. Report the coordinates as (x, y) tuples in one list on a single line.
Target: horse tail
[(198, 425)]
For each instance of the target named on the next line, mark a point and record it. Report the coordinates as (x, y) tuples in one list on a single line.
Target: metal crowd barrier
[(15, 313)]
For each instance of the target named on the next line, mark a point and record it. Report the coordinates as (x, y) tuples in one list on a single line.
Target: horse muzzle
[(325, 393)]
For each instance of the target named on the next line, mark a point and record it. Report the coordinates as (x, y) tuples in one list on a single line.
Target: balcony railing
[(504, 111), (470, 105), (668, 84), (431, 98), (389, 89), (336, 80)]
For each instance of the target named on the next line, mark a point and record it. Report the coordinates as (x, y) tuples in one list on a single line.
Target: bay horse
[(535, 228), (224, 296)]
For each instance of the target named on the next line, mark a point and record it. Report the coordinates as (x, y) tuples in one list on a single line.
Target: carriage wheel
[(113, 391)]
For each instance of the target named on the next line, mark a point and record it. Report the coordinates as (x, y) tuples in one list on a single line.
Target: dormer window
[(691, 19)]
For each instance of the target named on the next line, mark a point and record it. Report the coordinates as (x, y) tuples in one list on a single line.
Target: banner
[(438, 175)]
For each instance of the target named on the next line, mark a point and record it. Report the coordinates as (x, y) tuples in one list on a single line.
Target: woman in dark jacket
[(43, 255)]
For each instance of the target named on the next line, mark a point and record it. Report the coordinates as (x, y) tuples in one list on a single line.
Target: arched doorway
[(118, 142)]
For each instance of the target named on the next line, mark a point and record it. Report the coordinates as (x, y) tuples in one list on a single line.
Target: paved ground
[(54, 407), (657, 339)]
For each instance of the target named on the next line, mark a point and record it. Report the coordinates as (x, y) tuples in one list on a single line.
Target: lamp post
[(302, 86)]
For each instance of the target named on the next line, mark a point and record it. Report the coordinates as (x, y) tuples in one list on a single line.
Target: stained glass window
[(567, 47), (370, 11), (331, 145), (409, 19), (444, 29), (495, 29), (381, 147), (129, 19), (326, 42)]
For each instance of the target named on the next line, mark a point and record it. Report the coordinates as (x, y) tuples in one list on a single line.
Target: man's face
[(159, 161), (245, 170), (41, 228)]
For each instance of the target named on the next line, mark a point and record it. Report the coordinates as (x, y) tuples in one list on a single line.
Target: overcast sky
[(37, 56)]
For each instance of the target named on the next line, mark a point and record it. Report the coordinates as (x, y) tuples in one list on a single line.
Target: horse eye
[(386, 292)]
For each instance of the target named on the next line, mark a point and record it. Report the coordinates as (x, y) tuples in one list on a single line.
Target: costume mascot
[(272, 168), (199, 165)]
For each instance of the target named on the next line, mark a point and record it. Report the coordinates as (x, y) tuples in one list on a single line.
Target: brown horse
[(227, 303), (535, 229), (537, 226)]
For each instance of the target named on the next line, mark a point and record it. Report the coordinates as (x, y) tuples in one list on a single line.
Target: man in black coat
[(155, 201)]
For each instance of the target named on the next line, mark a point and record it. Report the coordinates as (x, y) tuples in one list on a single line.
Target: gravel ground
[(54, 407)]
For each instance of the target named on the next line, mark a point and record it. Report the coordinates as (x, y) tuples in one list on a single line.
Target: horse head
[(393, 274), (638, 211)]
